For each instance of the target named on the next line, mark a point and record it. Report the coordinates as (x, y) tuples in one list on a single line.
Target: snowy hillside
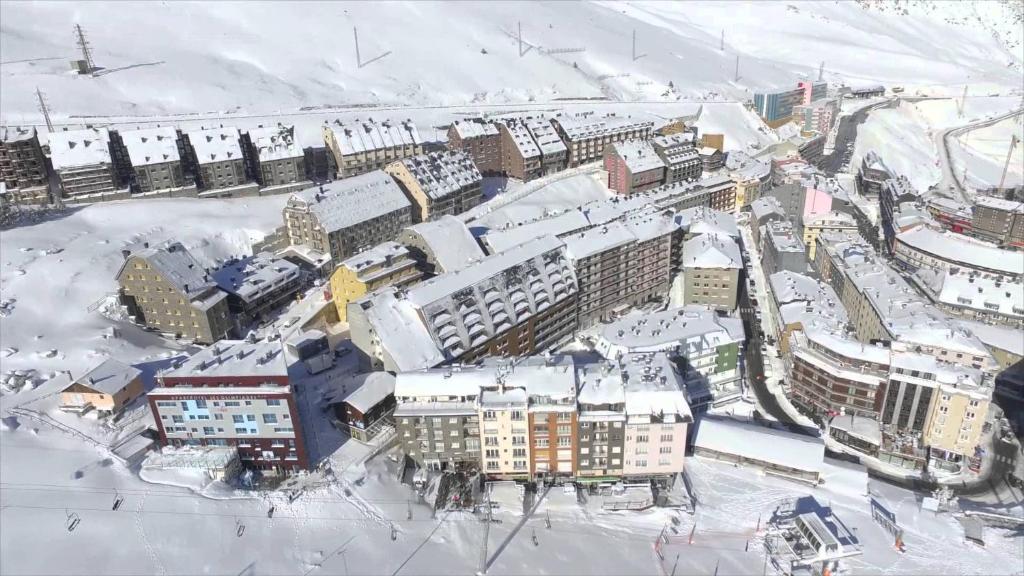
[(178, 57)]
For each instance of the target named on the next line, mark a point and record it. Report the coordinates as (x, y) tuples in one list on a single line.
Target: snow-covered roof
[(638, 155), (831, 218), (693, 330), (545, 136), (522, 138), (708, 151), (249, 278), (759, 443), (77, 148), (560, 225), (17, 133), (351, 201), (999, 204), (580, 127), (847, 346), (598, 239), (275, 142), (475, 128), (388, 255), (959, 249), (791, 287), (954, 375), (151, 145), (216, 144), (461, 381), (178, 267), (233, 358), (653, 387), (711, 251), (766, 206), (704, 220), (109, 377), (675, 143), (996, 336), (373, 388), (451, 242), (978, 292), (600, 383), (440, 174), (444, 285), (780, 233), (400, 329), (360, 137), (547, 377)]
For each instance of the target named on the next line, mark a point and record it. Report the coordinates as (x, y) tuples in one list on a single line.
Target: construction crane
[(1006, 165)]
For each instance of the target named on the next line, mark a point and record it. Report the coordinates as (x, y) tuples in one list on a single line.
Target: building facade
[(586, 136), (83, 161), (236, 393), (218, 162), (276, 158), (23, 166), (362, 147), (387, 264), (155, 155), (633, 166), (520, 155), (438, 183), (480, 139)]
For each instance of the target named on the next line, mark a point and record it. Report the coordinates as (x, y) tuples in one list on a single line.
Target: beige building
[(504, 432), (361, 147), (155, 158), (278, 159), (107, 388), (711, 271), (441, 245), (345, 217), (386, 264), (438, 183), (166, 289), (829, 221), (23, 166), (219, 162)]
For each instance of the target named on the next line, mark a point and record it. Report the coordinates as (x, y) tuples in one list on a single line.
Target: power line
[(86, 48)]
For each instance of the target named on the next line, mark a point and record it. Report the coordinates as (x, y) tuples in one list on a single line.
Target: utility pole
[(721, 42), (355, 34), (1006, 165), (963, 102), (83, 44), (736, 77), (44, 109), (821, 70), (487, 533), (520, 26)]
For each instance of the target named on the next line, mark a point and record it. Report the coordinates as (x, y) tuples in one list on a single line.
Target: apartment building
[(23, 166), (437, 419), (550, 384), (722, 193), (345, 217), (155, 156), (275, 157), (633, 166), (520, 155), (621, 264), (516, 302), (872, 174), (831, 221), (818, 117), (998, 220), (362, 147), (973, 296), (680, 157), (813, 90), (386, 264), (82, 160), (586, 136), (602, 421), (762, 211), (942, 406), (438, 183), (165, 288), (894, 192), (775, 106), (799, 302), (711, 271), (441, 245), (951, 214), (783, 249), (834, 374), (657, 417), (235, 393), (481, 140), (554, 156), (256, 286), (217, 158), (751, 176), (925, 247)]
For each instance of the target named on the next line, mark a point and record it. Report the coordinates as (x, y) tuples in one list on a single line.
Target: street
[(845, 136)]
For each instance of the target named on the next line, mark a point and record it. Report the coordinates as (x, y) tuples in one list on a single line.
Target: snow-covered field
[(55, 272), (205, 57), (981, 154), (908, 137)]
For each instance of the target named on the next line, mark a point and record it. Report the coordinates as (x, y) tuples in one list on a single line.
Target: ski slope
[(173, 58)]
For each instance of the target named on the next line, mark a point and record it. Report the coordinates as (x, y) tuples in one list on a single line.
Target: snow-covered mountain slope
[(177, 57)]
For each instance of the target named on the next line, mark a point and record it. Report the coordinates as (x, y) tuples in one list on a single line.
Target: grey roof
[(251, 277), (376, 386), (16, 133), (440, 174), (110, 377), (449, 239), (638, 155), (177, 265), (151, 145), (544, 134), (215, 144), (522, 138), (367, 136), (351, 201)]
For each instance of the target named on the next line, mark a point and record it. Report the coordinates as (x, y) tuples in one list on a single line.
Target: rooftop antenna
[(83, 45), (44, 109)]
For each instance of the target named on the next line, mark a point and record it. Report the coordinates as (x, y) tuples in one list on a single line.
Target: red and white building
[(234, 393), (633, 166)]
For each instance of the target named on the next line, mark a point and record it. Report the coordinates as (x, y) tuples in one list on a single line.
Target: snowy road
[(950, 180)]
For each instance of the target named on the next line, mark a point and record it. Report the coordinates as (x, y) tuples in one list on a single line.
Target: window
[(666, 437), (208, 430), (273, 402), (490, 415), (665, 450), (518, 415), (238, 419), (491, 453), (177, 419), (218, 416), (270, 418), (642, 438), (491, 441), (250, 417)]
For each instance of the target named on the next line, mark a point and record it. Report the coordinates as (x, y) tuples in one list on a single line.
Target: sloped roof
[(77, 148), (177, 265), (109, 377), (215, 144), (151, 145), (350, 201), (366, 136)]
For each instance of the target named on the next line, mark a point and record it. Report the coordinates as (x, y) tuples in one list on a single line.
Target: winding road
[(950, 181)]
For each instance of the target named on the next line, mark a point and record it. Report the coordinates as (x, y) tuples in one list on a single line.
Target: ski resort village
[(639, 288)]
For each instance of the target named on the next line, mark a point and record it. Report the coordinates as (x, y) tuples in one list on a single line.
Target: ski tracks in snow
[(158, 565)]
